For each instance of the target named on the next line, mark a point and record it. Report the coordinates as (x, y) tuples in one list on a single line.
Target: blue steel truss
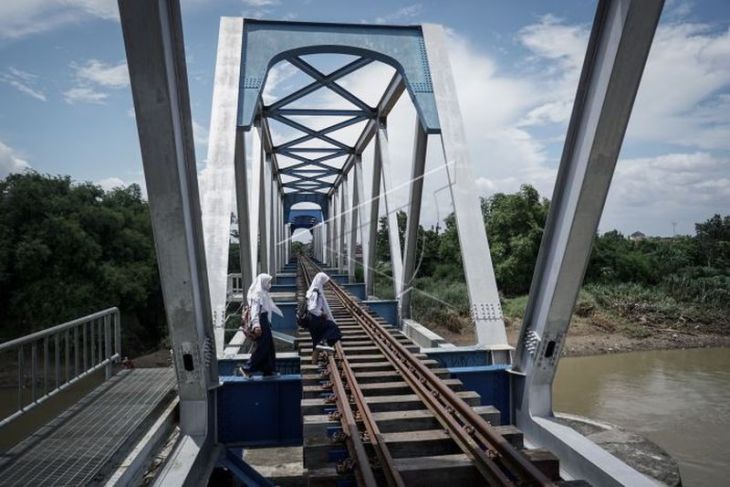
[(317, 171)]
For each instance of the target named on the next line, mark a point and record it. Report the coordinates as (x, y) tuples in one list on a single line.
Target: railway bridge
[(395, 404)]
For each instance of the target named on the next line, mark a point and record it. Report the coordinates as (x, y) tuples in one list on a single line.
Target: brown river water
[(680, 399)]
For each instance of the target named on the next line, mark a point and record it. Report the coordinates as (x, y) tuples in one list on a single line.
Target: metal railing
[(61, 355), (235, 285)]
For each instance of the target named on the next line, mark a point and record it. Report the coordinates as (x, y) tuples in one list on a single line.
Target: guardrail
[(84, 345), (235, 285)]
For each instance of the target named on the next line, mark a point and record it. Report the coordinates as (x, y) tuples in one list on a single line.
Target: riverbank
[(597, 336)]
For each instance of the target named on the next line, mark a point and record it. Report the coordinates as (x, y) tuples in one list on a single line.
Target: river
[(680, 399)]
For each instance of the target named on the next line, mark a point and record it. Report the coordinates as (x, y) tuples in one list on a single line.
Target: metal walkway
[(75, 447)]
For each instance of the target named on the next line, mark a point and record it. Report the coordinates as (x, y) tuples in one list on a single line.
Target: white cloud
[(94, 76), (260, 3), (683, 100), (258, 8), (22, 18), (403, 14), (107, 184), (24, 82), (651, 192), (554, 65), (683, 94), (103, 74), (10, 161), (200, 134), (673, 179), (82, 94)]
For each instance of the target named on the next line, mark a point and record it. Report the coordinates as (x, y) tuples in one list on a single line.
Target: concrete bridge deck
[(83, 444)]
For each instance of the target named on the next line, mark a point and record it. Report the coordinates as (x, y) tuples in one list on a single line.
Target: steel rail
[(353, 441), (447, 406), (459, 432), (481, 460), (392, 476), (363, 469), (374, 436)]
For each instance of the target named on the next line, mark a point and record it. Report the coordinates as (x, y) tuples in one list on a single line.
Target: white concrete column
[(342, 236), (218, 177), (415, 197), (269, 214), (335, 228), (482, 285), (396, 259), (354, 217), (371, 229), (363, 208), (255, 197), (263, 213)]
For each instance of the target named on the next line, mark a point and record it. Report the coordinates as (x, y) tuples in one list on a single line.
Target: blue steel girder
[(265, 43), (304, 218), (321, 199)]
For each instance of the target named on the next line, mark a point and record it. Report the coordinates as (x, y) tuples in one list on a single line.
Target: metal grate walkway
[(73, 448)]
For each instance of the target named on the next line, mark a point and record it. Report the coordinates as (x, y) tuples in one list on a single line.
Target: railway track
[(378, 412)]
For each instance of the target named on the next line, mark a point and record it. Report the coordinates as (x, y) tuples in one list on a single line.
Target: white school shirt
[(317, 305)]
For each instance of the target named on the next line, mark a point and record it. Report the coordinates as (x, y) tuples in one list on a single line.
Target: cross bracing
[(310, 141)]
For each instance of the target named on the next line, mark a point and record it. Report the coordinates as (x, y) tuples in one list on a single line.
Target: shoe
[(325, 348), (243, 372)]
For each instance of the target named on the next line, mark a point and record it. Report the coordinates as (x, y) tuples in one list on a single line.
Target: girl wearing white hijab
[(263, 358), (322, 324)]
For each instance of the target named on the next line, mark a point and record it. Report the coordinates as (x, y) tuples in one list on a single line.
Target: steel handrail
[(99, 348), (54, 329)]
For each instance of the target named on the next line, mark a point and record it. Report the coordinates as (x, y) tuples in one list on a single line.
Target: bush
[(514, 308)]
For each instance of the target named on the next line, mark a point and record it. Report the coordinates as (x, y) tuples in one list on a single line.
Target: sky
[(66, 107)]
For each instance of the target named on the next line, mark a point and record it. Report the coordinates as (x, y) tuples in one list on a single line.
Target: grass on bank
[(633, 310)]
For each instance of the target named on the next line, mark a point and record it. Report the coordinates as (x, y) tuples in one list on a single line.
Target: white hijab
[(318, 284), (259, 290)]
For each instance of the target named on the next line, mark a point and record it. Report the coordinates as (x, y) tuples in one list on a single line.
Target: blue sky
[(67, 109)]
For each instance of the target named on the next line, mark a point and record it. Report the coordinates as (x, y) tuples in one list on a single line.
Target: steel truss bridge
[(262, 179)]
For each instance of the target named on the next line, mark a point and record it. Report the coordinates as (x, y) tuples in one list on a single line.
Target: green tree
[(382, 246), (67, 250), (515, 224), (713, 239)]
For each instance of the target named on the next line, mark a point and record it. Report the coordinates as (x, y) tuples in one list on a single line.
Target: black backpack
[(303, 313)]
